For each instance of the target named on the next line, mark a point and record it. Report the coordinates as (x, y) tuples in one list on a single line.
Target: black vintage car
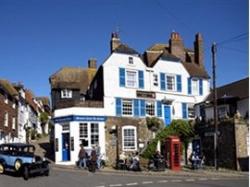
[(20, 158)]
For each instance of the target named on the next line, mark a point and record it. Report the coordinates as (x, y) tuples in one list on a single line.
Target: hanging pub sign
[(145, 94)]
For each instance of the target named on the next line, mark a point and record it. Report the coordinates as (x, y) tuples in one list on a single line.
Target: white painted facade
[(81, 116), (113, 90)]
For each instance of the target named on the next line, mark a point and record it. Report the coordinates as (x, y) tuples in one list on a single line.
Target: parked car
[(20, 158)]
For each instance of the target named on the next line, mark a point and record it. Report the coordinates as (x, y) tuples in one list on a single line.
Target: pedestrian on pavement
[(82, 157), (93, 158)]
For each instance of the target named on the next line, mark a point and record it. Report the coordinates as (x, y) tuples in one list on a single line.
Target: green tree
[(184, 130), (44, 118), (181, 128)]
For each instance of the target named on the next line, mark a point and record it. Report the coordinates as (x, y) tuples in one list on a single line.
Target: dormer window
[(130, 60), (66, 93)]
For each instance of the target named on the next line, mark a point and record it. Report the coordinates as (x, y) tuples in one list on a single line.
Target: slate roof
[(151, 58), (8, 87), (125, 49), (239, 89), (72, 78)]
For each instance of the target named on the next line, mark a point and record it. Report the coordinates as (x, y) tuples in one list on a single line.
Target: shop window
[(150, 108), (94, 134), (129, 142), (83, 134), (127, 107)]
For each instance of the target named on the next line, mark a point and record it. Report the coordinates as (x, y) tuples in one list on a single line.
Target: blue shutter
[(159, 109), (118, 105), (200, 87), (136, 107), (162, 80), (142, 107), (122, 77), (189, 86), (178, 82), (184, 111), (141, 79)]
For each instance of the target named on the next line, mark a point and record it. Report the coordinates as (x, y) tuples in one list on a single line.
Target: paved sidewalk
[(208, 172)]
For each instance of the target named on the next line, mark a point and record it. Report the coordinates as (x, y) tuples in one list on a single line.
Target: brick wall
[(12, 113)]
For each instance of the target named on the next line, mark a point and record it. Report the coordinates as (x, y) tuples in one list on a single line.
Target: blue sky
[(38, 37)]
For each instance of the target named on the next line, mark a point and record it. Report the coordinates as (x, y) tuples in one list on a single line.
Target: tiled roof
[(122, 48), (239, 89), (45, 100), (29, 96), (151, 58), (195, 70), (8, 87), (72, 78)]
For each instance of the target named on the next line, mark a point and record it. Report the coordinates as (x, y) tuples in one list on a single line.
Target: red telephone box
[(173, 152)]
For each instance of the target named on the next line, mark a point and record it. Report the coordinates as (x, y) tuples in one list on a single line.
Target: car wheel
[(1, 168), (25, 173), (18, 165)]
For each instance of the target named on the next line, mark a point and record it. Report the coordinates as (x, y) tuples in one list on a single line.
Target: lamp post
[(214, 50)]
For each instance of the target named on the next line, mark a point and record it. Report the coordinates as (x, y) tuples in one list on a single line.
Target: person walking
[(82, 157)]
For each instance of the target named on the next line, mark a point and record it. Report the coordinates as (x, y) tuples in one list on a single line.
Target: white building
[(165, 82)]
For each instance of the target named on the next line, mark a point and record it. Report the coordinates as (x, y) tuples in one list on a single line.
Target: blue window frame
[(136, 107), (189, 86), (162, 81), (178, 82), (118, 106), (122, 77), (141, 79), (200, 87), (159, 108), (184, 111)]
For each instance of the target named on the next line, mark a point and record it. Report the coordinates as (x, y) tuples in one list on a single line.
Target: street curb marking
[(147, 182), (176, 180), (132, 184), (162, 181), (189, 180), (114, 185)]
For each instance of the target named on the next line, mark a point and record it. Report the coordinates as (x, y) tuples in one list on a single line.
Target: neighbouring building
[(20, 112), (8, 112), (233, 125), (232, 98), (166, 81)]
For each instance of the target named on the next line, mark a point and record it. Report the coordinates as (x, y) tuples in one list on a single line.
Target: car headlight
[(44, 159), (33, 159)]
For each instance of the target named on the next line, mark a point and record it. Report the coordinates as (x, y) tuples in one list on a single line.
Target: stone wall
[(232, 144), (242, 135), (112, 150)]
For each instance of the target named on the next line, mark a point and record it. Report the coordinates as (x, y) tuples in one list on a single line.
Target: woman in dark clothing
[(93, 158)]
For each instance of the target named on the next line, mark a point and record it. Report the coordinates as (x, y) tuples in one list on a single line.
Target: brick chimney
[(176, 46), (92, 63), (198, 50), (115, 41)]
